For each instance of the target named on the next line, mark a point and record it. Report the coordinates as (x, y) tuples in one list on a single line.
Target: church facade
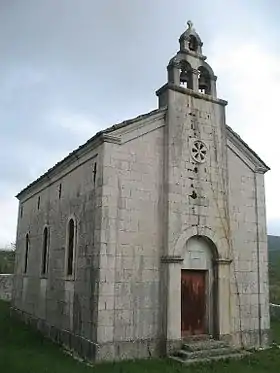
[(152, 231)]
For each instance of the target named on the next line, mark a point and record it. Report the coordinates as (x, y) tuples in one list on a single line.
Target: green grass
[(23, 350), (275, 329), (7, 261), (274, 276)]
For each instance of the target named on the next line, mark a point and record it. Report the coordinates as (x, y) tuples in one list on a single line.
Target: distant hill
[(273, 243), (274, 268), (7, 259)]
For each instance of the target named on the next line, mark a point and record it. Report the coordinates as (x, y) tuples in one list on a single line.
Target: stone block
[(105, 333), (106, 289), (107, 276), (127, 275), (122, 302), (105, 302), (106, 317), (107, 262)]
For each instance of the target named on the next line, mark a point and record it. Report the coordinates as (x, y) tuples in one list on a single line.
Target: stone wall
[(65, 302), (195, 198), (6, 286), (249, 272), (129, 322), (132, 224)]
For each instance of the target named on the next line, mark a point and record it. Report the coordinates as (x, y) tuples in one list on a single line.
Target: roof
[(92, 141), (89, 143), (253, 153)]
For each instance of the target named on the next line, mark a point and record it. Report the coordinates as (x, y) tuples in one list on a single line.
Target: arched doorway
[(199, 288)]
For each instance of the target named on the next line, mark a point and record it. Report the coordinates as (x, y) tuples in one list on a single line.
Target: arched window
[(193, 43), (186, 79), (26, 253), (70, 247), (45, 251)]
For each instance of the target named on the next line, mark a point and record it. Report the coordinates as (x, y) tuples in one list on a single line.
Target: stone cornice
[(193, 54), (111, 139), (190, 92), (90, 146), (259, 165), (261, 170), (222, 261), (172, 259)]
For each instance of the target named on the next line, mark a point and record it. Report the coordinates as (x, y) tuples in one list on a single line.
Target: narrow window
[(59, 191), (38, 202), (70, 249), (26, 252), (21, 211), (94, 172), (45, 251)]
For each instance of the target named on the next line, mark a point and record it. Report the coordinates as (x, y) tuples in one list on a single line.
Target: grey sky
[(71, 67)]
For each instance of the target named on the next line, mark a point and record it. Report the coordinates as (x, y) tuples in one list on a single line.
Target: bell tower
[(195, 190), (188, 68)]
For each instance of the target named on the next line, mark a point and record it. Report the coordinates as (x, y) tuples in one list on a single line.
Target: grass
[(275, 328), (23, 350), (7, 261)]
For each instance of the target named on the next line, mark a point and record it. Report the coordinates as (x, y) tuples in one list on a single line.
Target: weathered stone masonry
[(171, 192)]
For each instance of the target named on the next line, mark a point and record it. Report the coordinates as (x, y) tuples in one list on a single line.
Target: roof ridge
[(247, 146), (91, 140)]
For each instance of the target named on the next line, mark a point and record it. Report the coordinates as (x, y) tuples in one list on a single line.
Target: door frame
[(208, 264), (206, 299)]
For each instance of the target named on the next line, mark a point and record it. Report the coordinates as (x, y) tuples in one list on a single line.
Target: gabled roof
[(245, 148), (100, 136), (97, 139)]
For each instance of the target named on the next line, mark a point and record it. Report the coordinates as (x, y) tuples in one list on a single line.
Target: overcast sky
[(69, 68)]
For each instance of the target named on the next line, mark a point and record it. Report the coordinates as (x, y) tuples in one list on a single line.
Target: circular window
[(199, 151)]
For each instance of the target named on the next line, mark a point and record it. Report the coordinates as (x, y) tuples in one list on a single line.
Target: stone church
[(152, 232)]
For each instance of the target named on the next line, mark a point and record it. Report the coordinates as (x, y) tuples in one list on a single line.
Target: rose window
[(199, 151)]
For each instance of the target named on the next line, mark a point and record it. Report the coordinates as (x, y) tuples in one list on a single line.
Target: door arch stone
[(179, 243), (199, 257)]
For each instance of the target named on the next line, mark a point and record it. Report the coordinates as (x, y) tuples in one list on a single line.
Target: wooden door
[(193, 304)]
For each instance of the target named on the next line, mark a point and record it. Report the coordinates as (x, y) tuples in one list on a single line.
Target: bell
[(203, 83), (184, 76)]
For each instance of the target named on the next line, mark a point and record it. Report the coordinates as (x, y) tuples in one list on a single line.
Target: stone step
[(197, 338), (237, 355), (204, 345), (183, 354)]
